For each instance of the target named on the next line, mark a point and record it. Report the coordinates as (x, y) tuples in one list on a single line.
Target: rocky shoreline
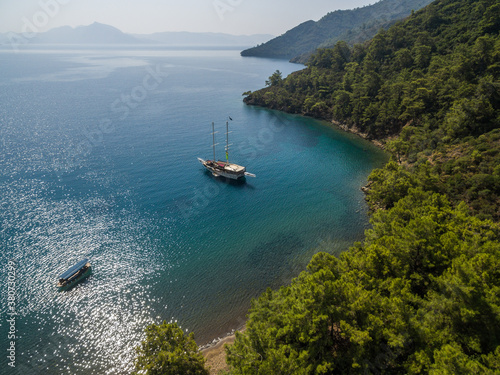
[(354, 130)]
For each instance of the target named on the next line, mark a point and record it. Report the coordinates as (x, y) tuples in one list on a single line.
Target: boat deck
[(228, 167), (232, 167)]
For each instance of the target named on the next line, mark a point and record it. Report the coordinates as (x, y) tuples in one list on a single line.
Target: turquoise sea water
[(98, 159)]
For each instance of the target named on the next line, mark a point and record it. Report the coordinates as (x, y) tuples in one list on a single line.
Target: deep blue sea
[(98, 159)]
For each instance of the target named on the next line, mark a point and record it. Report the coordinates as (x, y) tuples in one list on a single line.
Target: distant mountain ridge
[(196, 39), (355, 25), (98, 33)]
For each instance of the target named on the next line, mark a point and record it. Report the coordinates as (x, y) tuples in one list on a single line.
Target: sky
[(238, 17)]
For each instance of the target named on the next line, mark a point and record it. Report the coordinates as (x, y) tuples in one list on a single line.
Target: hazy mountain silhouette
[(98, 33)]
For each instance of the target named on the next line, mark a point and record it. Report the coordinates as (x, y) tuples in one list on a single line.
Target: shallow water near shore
[(99, 160)]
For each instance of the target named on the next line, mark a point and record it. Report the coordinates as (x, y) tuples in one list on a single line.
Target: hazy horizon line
[(126, 33)]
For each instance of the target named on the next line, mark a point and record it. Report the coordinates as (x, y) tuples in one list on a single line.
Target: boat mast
[(227, 142), (213, 136)]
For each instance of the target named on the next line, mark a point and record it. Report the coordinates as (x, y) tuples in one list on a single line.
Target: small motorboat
[(74, 275)]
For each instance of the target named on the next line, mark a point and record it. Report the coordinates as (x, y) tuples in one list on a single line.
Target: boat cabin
[(75, 273)]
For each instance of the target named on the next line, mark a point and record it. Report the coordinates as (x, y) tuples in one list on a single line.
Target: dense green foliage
[(421, 293), (275, 79), (466, 171), (167, 351), (433, 80), (438, 68), (355, 25)]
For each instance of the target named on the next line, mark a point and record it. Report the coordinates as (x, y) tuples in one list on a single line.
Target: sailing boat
[(224, 168)]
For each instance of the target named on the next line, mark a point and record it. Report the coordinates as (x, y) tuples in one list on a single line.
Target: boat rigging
[(221, 168)]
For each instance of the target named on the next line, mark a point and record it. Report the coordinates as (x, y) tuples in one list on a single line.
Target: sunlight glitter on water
[(166, 239), (107, 313)]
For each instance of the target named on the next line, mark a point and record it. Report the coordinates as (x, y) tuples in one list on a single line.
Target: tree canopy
[(431, 80), (421, 293), (168, 351), (275, 79)]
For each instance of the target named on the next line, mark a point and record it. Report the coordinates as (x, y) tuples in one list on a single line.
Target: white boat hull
[(227, 170)]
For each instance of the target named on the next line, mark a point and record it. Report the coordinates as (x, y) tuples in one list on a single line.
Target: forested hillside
[(355, 25), (432, 80), (421, 293)]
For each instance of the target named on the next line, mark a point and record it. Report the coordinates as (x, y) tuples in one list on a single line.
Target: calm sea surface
[(98, 159)]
